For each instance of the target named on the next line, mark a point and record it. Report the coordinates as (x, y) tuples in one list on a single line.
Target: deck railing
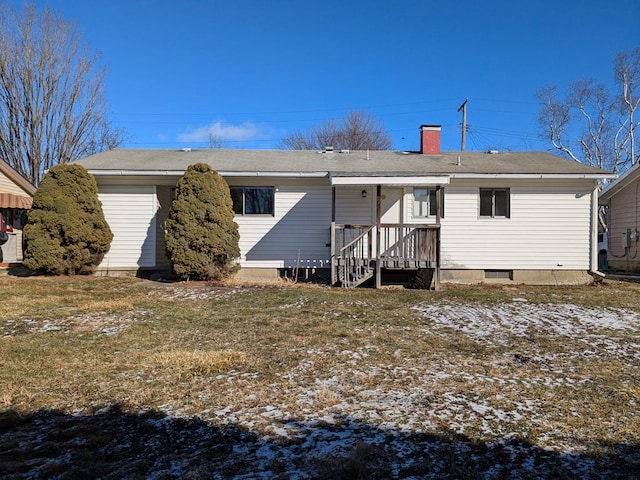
[(355, 253), (408, 246)]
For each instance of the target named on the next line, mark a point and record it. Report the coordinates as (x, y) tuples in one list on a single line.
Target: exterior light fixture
[(364, 194)]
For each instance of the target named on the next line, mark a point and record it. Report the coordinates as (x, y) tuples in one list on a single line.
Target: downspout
[(593, 263)]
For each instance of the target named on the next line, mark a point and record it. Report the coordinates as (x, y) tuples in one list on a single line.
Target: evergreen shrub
[(201, 236), (66, 232)]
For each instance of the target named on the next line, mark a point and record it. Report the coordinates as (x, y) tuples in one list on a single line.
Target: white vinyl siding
[(354, 209), (300, 227), (548, 228), (130, 212)]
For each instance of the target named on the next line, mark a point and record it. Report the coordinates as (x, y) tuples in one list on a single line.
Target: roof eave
[(437, 178), (179, 173), (622, 181), (558, 176)]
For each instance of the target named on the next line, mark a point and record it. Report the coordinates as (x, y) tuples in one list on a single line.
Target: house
[(622, 201), (16, 195), (378, 216)]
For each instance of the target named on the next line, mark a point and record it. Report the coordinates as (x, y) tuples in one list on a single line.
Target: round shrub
[(201, 235), (66, 232)]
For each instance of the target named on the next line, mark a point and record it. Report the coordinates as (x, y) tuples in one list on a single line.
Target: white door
[(391, 213)]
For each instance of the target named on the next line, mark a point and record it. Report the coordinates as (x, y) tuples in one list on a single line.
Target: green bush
[(66, 232), (201, 236)]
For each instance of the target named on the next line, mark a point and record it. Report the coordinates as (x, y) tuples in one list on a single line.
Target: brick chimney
[(429, 139)]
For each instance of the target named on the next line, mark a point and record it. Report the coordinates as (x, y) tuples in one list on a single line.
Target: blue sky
[(255, 70)]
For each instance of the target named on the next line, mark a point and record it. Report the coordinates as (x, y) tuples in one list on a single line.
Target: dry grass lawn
[(122, 378)]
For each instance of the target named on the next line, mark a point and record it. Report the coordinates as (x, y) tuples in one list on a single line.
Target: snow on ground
[(201, 292), (395, 418), (394, 409), (498, 322), (102, 322)]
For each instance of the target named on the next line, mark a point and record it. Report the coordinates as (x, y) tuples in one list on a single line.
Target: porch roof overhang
[(417, 180)]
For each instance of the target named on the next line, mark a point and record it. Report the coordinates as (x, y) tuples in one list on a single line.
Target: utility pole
[(463, 107)]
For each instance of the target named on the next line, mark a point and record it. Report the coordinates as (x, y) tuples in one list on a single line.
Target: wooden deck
[(361, 252)]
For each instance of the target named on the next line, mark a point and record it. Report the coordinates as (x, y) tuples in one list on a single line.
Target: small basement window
[(498, 274), (253, 200)]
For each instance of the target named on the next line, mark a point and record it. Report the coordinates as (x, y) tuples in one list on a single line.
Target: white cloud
[(244, 131)]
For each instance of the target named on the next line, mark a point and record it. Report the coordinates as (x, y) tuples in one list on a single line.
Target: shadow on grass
[(113, 444)]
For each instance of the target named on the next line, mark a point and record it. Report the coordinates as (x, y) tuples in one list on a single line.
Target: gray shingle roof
[(373, 163)]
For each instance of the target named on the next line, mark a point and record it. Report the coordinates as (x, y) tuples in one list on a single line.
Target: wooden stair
[(353, 272), (359, 253)]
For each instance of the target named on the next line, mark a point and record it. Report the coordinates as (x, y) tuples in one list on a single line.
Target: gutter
[(179, 173), (560, 176), (325, 174)]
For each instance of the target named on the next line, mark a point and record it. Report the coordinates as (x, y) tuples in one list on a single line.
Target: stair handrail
[(356, 240)]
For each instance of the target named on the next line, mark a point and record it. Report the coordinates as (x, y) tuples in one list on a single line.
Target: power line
[(283, 112), (480, 132)]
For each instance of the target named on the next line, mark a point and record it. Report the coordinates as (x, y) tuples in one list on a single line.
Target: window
[(253, 200), (494, 202), (498, 274), (6, 220), (424, 202)]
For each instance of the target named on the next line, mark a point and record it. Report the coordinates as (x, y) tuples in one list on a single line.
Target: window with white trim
[(495, 203), (253, 200), (424, 202)]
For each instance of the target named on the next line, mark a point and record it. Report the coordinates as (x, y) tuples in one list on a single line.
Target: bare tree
[(627, 76), (592, 125), (52, 104), (357, 131)]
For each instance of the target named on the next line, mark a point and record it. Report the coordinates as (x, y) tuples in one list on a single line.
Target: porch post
[(334, 266), (378, 222), (436, 272)]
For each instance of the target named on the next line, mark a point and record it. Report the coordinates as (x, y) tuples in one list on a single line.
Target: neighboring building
[(16, 195), (622, 199), (526, 217)]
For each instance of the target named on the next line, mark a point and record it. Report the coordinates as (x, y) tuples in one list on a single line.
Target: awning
[(9, 200)]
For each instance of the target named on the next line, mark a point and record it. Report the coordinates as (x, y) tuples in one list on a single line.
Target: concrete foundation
[(623, 265), (149, 273), (266, 275), (527, 277), (322, 275)]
